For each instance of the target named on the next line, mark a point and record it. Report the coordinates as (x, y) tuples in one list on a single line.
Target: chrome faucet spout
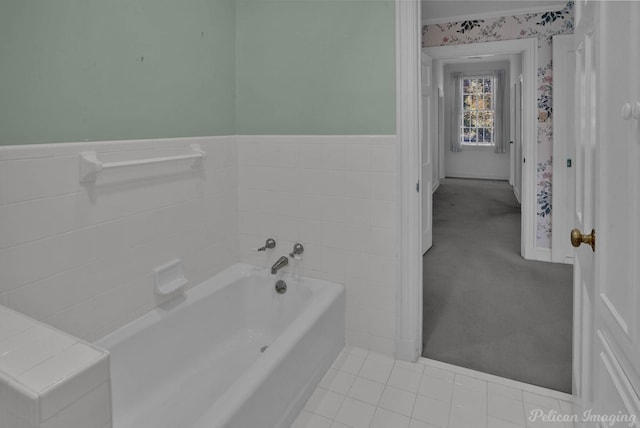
[(279, 264)]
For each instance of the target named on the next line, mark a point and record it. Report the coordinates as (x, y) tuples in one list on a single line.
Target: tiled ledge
[(49, 378)]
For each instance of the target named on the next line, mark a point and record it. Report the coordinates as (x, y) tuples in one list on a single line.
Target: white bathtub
[(199, 363)]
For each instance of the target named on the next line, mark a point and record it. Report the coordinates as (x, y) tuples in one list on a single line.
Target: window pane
[(467, 102), (485, 135), (466, 120), (469, 135), (488, 85), (487, 119), (466, 86), (488, 102), (489, 135)]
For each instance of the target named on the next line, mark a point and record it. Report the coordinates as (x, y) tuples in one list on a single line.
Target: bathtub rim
[(191, 296)]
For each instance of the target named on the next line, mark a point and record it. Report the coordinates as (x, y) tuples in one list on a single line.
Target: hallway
[(486, 308)]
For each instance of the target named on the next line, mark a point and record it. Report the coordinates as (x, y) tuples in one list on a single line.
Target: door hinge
[(569, 163), (418, 186)]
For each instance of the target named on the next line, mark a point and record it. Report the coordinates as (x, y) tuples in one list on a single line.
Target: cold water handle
[(298, 249)]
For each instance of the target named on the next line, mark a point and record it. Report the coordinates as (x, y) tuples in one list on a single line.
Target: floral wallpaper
[(544, 26)]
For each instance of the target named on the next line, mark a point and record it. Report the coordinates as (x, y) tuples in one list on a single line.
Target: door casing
[(528, 48)]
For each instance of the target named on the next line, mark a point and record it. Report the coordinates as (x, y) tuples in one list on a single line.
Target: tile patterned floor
[(369, 390)]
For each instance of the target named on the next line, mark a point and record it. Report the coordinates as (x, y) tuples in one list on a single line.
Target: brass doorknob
[(578, 238)]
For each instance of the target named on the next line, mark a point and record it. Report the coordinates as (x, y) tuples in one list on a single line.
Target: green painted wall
[(315, 67), (75, 70)]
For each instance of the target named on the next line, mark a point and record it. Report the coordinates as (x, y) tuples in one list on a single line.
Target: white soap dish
[(169, 278)]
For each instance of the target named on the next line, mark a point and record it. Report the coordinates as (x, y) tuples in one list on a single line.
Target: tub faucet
[(279, 264)]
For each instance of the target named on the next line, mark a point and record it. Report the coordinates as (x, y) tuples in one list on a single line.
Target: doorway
[(522, 57), (485, 307)]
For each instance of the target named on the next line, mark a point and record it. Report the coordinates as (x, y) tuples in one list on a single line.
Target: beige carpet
[(486, 308)]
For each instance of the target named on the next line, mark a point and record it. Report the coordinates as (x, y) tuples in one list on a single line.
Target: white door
[(607, 280), (583, 275), (426, 153)]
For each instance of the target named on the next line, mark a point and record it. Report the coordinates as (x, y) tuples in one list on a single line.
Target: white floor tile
[(419, 424), (548, 402), (360, 352), (416, 367), (404, 379), (376, 370), (566, 407), (506, 391), (506, 408), (366, 390), (499, 423), (397, 400), (461, 418), (386, 419), (324, 403), (470, 383), (529, 408), (337, 381), (438, 373), (431, 411), (349, 363), (354, 413), (436, 388), (545, 424), (309, 420), (377, 356), (469, 400)]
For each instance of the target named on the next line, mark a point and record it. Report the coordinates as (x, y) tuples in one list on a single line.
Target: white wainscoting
[(81, 256)]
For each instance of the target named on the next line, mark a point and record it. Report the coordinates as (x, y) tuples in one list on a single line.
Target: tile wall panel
[(337, 196), (80, 256)]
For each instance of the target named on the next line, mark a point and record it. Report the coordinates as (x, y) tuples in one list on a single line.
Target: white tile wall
[(337, 196), (80, 256)]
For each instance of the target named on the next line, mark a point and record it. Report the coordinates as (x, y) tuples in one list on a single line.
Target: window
[(477, 127)]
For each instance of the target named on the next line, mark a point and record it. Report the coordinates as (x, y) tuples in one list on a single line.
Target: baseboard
[(539, 254), (407, 350), (517, 193), (477, 176)]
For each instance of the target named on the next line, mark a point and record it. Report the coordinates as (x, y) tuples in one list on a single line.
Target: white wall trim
[(529, 148), (319, 139), (495, 14), (563, 141), (540, 254), (517, 194), (478, 176), (409, 262)]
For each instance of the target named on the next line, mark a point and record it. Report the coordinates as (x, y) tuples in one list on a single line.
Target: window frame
[(477, 145)]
